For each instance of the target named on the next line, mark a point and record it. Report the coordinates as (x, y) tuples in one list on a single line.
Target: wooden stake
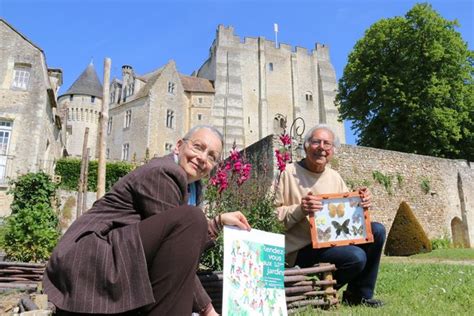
[(103, 120), (80, 187), (85, 183)]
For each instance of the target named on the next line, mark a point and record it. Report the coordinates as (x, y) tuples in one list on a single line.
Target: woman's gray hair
[(209, 127), (309, 135)]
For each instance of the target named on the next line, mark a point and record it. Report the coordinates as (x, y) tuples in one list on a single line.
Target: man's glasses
[(199, 148), (326, 145)]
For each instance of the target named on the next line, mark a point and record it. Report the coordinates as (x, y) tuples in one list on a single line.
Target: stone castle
[(247, 89)]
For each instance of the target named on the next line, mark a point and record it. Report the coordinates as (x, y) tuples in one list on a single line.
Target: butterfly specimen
[(324, 235), (336, 209), (354, 202), (357, 231), (356, 217), (344, 227), (321, 221)]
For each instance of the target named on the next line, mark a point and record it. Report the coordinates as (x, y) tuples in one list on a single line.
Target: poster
[(254, 267)]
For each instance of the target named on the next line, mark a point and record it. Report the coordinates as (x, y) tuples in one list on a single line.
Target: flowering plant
[(236, 187)]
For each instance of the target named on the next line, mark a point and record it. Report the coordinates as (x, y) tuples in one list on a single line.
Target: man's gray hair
[(209, 127), (309, 135)]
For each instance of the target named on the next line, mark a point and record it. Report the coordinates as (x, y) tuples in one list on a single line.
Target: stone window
[(68, 113), (5, 132), (270, 66), (71, 97), (112, 97), (171, 87), (107, 153), (92, 99), (199, 117), (309, 96), (109, 126), (128, 119), (21, 76), (200, 100), (125, 151), (169, 118), (168, 147)]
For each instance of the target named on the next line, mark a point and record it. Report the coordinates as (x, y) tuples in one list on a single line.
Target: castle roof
[(150, 79), (88, 83), (195, 84)]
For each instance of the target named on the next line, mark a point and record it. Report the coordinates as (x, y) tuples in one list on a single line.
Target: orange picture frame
[(342, 221)]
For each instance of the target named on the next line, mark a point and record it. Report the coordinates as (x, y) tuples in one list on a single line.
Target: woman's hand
[(235, 219), (366, 197), (311, 203)]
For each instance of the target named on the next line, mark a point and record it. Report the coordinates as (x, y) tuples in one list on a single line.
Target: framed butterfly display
[(342, 221)]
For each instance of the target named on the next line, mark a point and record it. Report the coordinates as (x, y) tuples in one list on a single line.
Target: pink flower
[(237, 166), (234, 155), (285, 139)]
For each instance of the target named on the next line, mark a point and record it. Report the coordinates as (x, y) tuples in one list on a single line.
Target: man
[(137, 249), (296, 198)]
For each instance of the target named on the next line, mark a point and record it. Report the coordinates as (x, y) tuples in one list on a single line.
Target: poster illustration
[(254, 266)]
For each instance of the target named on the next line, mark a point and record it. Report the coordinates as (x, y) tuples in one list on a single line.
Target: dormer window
[(21, 76), (171, 87)]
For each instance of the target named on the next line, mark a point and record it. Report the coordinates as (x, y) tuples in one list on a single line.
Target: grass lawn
[(418, 286)]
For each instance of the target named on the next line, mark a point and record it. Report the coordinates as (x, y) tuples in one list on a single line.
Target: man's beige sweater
[(295, 183)]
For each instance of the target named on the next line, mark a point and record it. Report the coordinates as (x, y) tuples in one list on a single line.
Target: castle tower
[(259, 85), (81, 105)]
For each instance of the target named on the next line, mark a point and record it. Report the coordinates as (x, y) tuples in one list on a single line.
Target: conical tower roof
[(88, 83)]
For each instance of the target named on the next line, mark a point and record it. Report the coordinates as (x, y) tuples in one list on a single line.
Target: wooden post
[(85, 183), (103, 120), (84, 161)]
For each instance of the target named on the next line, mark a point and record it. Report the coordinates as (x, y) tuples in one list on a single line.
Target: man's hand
[(311, 203), (235, 219), (366, 197)]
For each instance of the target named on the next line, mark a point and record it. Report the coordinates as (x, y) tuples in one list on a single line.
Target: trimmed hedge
[(406, 237), (70, 168)]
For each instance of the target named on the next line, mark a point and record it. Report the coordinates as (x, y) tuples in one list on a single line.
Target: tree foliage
[(408, 86)]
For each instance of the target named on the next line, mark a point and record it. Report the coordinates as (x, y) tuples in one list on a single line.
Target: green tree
[(408, 86)]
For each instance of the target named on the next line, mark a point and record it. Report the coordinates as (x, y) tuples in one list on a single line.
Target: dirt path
[(426, 260)]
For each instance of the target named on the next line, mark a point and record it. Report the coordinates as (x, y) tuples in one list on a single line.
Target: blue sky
[(146, 34)]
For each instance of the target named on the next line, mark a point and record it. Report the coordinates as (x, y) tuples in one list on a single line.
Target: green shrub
[(441, 243), (406, 237), (31, 189), (70, 168), (31, 232)]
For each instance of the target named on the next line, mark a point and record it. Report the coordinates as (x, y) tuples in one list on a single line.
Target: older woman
[(137, 249)]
